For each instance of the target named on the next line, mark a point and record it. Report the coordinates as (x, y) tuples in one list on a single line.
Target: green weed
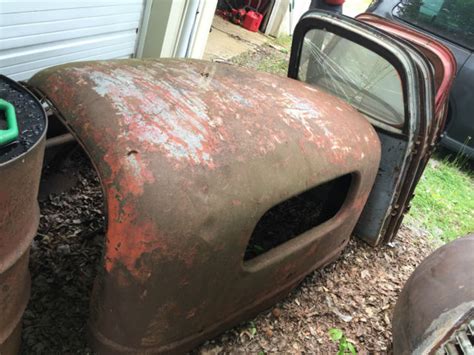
[(345, 346)]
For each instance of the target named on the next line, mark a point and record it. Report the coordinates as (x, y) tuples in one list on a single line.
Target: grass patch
[(444, 199), (264, 59), (274, 64), (272, 57), (284, 42)]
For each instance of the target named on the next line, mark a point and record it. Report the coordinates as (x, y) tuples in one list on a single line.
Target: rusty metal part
[(461, 341), (60, 140), (191, 155), (437, 299), (19, 218)]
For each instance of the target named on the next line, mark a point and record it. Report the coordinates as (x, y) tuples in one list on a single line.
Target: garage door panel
[(55, 60), (32, 17), (19, 6), (35, 35), (19, 31), (34, 53), (118, 54), (64, 35)]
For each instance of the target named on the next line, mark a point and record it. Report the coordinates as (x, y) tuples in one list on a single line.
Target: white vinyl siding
[(35, 35)]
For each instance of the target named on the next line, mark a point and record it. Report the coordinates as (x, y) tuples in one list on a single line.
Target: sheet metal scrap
[(191, 154), (436, 301)]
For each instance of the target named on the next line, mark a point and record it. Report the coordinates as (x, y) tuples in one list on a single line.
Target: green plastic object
[(11, 133)]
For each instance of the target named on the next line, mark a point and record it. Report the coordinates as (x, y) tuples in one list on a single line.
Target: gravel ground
[(356, 293)]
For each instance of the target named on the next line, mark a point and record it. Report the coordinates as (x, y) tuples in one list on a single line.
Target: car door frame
[(397, 54), (443, 60), (422, 150)]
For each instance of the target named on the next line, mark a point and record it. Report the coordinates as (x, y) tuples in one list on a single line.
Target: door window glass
[(450, 19), (356, 74)]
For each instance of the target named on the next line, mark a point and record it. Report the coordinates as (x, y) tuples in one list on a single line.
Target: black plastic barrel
[(21, 157)]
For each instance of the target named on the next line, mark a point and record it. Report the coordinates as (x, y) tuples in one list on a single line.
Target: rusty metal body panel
[(191, 154), (437, 298), (19, 218)]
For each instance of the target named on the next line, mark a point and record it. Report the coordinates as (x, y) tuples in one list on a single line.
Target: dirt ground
[(356, 293)]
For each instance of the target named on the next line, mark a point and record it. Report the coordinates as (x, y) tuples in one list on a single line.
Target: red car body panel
[(191, 156)]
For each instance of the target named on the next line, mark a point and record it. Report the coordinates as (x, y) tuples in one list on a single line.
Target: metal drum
[(23, 126)]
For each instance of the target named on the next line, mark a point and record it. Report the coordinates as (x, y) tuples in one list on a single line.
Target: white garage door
[(38, 34)]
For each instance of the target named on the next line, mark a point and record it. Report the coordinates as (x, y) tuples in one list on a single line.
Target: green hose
[(11, 133)]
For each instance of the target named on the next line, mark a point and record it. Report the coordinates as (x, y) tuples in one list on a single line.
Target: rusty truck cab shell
[(191, 155)]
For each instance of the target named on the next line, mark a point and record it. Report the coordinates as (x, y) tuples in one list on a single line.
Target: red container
[(252, 21), (237, 16)]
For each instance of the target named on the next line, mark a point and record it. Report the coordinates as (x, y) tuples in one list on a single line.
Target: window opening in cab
[(356, 74), (297, 215)]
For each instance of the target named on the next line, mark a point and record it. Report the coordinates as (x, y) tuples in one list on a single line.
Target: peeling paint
[(177, 129)]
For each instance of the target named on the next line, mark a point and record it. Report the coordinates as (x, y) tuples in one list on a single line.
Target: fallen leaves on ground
[(356, 293), (63, 263)]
